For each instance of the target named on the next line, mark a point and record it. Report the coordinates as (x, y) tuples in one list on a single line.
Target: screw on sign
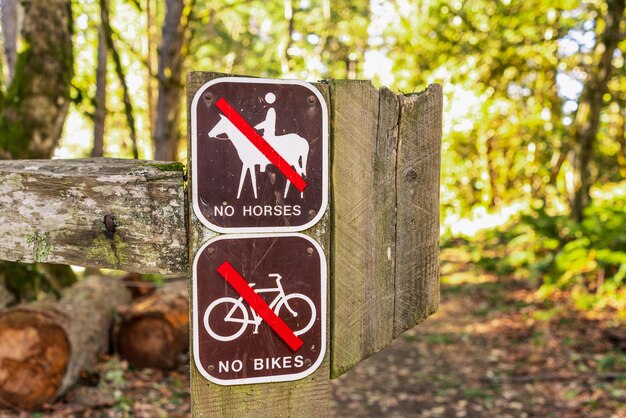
[(259, 308), (259, 155)]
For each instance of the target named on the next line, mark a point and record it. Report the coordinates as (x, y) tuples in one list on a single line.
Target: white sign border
[(264, 379), (194, 156)]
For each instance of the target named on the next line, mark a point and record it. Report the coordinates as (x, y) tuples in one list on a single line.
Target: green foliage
[(302, 39), (557, 254), (25, 281), (510, 71)]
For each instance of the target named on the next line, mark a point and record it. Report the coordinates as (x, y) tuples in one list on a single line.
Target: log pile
[(45, 345)]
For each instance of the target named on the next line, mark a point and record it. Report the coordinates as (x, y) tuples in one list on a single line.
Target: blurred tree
[(591, 102), (150, 64), (101, 85), (172, 52), (34, 108), (119, 71), (10, 30), (32, 114)]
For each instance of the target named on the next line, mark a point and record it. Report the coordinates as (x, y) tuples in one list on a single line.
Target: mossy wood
[(53, 211), (306, 397)]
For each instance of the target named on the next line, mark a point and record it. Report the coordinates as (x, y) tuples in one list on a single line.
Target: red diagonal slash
[(228, 272), (261, 144)]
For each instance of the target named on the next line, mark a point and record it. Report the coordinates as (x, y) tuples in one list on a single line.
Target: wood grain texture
[(364, 126), (52, 211), (307, 397), (417, 257)]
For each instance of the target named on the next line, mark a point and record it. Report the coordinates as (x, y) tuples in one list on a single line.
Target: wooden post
[(385, 217), (380, 236), (417, 241), (364, 127), (306, 397)]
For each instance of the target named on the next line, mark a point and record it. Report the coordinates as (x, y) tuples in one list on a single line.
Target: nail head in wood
[(109, 223)]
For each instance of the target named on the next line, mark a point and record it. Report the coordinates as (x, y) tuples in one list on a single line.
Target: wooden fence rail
[(380, 233), (53, 211)]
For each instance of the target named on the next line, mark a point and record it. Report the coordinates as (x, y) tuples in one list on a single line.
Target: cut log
[(154, 331), (45, 345)]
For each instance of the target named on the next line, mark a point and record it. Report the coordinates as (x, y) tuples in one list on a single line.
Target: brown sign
[(259, 155), (259, 306)]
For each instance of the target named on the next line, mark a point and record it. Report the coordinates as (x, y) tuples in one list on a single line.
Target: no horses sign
[(259, 155)]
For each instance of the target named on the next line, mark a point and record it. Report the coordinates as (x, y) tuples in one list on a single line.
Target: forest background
[(534, 151), (533, 184)]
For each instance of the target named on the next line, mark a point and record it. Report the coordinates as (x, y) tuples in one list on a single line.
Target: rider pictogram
[(288, 153)]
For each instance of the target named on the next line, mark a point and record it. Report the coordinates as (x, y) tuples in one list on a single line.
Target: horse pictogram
[(293, 148)]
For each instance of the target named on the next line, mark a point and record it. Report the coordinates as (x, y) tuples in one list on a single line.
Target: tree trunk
[(44, 346), (587, 120), (171, 55), (119, 70), (286, 59), (621, 140), (101, 87), (150, 17), (34, 109), (10, 30), (154, 331)]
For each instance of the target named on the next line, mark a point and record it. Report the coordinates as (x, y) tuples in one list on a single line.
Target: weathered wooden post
[(379, 233), (302, 397)]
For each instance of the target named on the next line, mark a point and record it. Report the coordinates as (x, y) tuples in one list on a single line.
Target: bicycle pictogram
[(296, 309)]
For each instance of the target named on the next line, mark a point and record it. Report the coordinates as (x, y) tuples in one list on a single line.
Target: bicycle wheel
[(218, 326), (304, 308)]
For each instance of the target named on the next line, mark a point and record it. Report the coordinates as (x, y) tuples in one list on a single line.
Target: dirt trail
[(488, 352)]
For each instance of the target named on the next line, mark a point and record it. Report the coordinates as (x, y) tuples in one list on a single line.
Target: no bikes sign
[(260, 317)]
